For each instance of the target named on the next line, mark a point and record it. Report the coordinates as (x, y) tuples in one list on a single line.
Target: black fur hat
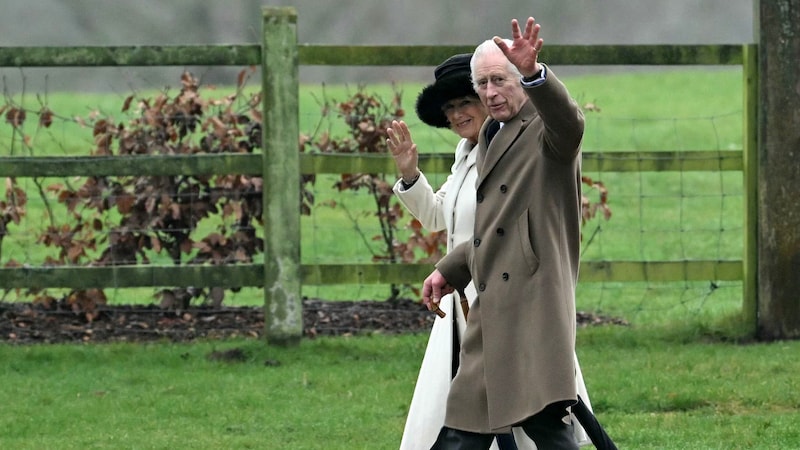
[(452, 80)]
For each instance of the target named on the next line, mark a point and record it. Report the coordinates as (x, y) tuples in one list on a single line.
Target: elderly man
[(517, 358)]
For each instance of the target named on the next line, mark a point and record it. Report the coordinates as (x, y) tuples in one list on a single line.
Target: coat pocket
[(525, 244)]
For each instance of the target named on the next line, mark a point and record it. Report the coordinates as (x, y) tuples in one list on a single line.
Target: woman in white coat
[(450, 102)]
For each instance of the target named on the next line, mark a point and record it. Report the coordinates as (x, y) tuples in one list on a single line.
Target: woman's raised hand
[(404, 150)]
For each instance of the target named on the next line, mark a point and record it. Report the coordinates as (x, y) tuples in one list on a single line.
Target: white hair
[(488, 47)]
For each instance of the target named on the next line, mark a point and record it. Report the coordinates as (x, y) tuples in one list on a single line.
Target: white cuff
[(537, 81)]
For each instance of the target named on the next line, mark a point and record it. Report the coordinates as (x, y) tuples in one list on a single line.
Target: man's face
[(498, 89)]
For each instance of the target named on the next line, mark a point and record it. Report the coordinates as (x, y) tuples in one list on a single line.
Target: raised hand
[(404, 150), (525, 47)]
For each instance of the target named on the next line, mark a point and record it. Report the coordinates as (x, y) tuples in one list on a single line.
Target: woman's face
[(465, 116)]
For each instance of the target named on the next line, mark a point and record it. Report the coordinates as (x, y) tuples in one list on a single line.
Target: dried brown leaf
[(16, 116), (45, 117), (127, 103)]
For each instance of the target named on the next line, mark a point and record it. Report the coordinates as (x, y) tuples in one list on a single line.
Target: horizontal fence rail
[(319, 163), (132, 56), (336, 55), (252, 275)]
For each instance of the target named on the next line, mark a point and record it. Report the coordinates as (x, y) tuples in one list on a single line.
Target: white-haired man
[(517, 357)]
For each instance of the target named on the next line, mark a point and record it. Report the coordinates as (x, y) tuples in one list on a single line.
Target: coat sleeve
[(454, 266), (562, 117), (425, 204), (422, 202)]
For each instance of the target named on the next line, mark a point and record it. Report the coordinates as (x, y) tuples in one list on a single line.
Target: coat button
[(476, 242), (481, 287), (503, 188), (505, 276), (479, 197), (501, 231)]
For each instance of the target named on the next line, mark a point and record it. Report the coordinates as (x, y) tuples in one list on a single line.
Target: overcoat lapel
[(489, 155)]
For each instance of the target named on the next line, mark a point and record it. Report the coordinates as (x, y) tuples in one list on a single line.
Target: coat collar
[(489, 155), (463, 150)]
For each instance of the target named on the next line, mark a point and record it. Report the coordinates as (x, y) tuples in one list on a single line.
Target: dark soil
[(29, 323)]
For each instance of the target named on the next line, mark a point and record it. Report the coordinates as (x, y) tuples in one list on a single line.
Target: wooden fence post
[(750, 183), (778, 31), (283, 307)]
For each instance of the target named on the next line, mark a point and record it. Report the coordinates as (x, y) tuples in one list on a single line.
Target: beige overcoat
[(517, 355)]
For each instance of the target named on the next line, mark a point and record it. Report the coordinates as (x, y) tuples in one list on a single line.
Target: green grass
[(653, 388), (686, 393), (171, 396), (684, 109)]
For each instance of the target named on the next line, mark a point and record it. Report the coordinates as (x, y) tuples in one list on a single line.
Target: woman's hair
[(485, 48)]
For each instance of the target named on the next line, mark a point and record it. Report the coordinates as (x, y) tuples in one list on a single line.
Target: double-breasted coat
[(517, 354)]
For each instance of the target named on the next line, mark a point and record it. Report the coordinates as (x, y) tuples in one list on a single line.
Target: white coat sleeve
[(423, 202)]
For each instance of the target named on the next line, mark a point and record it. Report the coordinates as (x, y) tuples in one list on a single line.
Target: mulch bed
[(30, 323)]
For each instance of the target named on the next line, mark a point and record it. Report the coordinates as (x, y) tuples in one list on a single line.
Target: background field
[(681, 375), (656, 216)]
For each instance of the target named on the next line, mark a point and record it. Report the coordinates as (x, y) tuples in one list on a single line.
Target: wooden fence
[(282, 274)]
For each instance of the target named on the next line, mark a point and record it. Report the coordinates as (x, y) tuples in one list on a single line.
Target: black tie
[(491, 130)]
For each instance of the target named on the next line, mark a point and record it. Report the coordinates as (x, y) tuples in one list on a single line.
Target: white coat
[(450, 208)]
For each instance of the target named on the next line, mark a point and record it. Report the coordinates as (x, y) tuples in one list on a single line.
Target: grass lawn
[(652, 387)]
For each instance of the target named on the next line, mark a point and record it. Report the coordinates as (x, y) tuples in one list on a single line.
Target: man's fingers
[(515, 31), (432, 290), (534, 36), (427, 291), (436, 294), (529, 28), (501, 44), (435, 300)]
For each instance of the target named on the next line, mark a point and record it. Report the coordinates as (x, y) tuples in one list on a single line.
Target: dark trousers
[(506, 441), (547, 429)]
